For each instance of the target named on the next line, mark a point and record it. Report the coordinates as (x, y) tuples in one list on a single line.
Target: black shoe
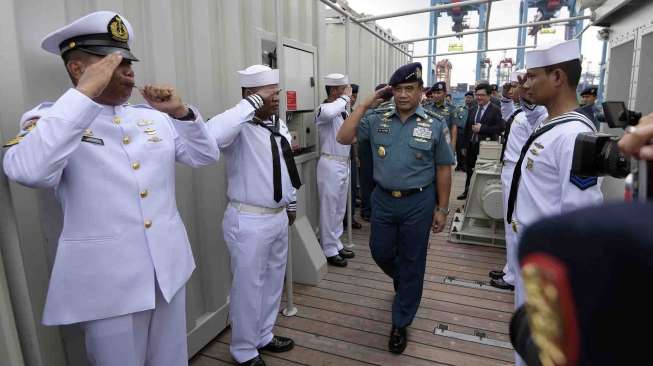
[(496, 275), (279, 344), (346, 253), (256, 361), (462, 196), (500, 283), (398, 340), (337, 261)]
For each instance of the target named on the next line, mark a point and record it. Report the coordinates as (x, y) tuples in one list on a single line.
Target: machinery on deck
[(480, 221)]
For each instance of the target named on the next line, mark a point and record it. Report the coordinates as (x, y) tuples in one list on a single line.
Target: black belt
[(398, 193)]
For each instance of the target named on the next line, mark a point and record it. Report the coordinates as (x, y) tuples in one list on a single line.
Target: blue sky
[(505, 12)]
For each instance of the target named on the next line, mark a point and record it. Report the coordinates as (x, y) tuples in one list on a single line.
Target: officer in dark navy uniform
[(583, 273), (409, 146), (444, 109), (588, 97)]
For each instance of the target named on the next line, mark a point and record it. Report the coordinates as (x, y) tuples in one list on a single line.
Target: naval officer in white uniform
[(333, 168), (262, 183), (542, 183), (123, 257)]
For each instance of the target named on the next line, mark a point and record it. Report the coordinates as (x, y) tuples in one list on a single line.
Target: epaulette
[(433, 114), (29, 126)]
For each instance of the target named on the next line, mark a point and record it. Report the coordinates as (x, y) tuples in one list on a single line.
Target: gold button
[(136, 165), (117, 120), (125, 140), (144, 193), (148, 224)]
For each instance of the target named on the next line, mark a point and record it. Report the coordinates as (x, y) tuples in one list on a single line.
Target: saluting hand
[(376, 98), (348, 91), (165, 99), (268, 94), (97, 76)]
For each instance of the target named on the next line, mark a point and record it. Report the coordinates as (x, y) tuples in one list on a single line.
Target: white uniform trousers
[(332, 183), (154, 337), (511, 238), (258, 244)]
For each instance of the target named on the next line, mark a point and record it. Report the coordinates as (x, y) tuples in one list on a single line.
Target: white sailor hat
[(553, 54), (336, 80), (514, 75), (258, 75), (99, 33)]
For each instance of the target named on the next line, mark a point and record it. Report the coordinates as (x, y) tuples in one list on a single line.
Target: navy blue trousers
[(398, 242)]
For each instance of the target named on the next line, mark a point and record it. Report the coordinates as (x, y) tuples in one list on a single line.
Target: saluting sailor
[(333, 168), (409, 147), (262, 183), (542, 183), (123, 257)]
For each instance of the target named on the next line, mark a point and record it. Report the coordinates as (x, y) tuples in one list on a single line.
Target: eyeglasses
[(480, 95)]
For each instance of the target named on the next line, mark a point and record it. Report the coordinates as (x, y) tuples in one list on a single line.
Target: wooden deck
[(346, 319)]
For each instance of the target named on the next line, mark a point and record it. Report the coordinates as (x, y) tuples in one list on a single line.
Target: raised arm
[(349, 129)]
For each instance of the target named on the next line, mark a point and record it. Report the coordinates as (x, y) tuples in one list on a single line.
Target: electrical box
[(299, 79), (303, 131)]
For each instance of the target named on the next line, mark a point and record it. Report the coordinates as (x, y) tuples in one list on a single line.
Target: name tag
[(93, 140), (383, 130), (422, 133)]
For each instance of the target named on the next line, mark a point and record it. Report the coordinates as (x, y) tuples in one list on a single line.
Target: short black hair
[(484, 86), (328, 89), (571, 68)]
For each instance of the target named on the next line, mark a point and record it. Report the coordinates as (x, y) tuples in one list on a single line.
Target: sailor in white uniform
[(518, 130), (123, 257), (542, 183), (333, 168), (262, 182)]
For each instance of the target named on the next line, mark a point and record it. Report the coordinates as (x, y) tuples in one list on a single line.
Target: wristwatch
[(444, 210)]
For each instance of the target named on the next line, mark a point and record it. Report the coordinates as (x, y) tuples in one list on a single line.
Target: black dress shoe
[(337, 261), (398, 340), (496, 275), (462, 196), (346, 253), (256, 361), (279, 344), (500, 283)]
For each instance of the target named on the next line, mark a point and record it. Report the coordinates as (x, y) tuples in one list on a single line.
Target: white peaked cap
[(553, 54), (93, 23), (516, 73), (336, 80), (258, 75)]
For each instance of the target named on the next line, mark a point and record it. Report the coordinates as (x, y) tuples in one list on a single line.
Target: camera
[(596, 154)]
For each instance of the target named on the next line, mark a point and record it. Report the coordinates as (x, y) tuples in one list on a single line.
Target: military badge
[(422, 133), (529, 164), (118, 29), (381, 151)]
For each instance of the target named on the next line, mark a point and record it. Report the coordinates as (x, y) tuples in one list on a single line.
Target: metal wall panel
[(197, 46)]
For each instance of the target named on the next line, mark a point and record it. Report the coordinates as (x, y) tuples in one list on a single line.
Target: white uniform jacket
[(329, 119), (547, 187), (113, 170), (246, 146)]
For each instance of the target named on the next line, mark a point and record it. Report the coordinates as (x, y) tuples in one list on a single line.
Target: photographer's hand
[(636, 140)]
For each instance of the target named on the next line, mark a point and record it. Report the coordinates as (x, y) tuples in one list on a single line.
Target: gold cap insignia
[(381, 151), (118, 29), (418, 73)]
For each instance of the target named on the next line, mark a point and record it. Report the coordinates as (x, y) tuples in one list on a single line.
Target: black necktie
[(276, 162)]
